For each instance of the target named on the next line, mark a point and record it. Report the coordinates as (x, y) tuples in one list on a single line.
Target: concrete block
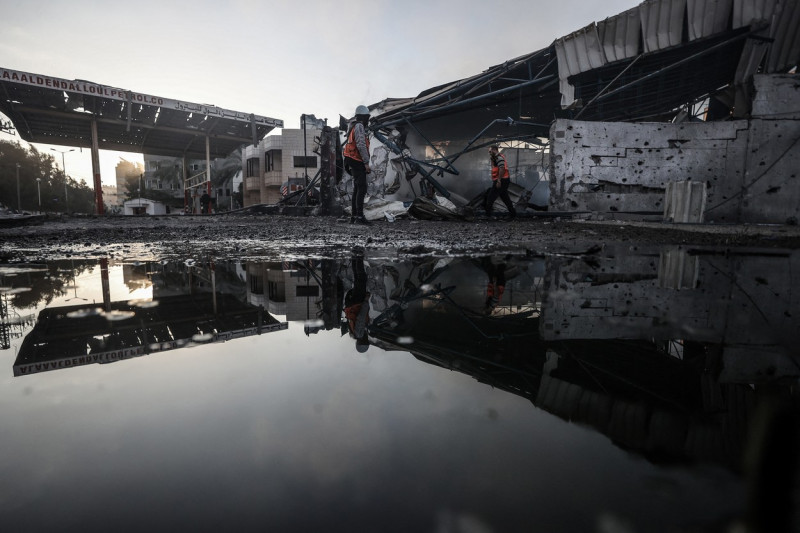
[(678, 270), (685, 201)]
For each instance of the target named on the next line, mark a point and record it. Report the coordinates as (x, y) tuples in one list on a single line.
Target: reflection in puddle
[(679, 356)]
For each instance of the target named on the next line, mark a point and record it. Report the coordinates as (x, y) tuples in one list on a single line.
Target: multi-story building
[(111, 197), (274, 160)]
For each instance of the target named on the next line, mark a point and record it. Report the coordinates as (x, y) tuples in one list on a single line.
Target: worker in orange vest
[(500, 182), (356, 305), (356, 162), (496, 285)]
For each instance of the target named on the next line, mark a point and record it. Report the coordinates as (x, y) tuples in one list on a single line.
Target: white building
[(143, 206), (276, 159)]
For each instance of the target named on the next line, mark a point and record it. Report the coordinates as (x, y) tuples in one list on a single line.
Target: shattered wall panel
[(760, 303), (735, 301), (620, 169), (777, 96), (625, 293), (621, 35), (771, 191), (707, 17), (662, 23)]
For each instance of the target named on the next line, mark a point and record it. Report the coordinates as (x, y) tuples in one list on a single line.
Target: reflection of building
[(736, 299), (11, 326), (289, 288), (641, 353), (196, 304)]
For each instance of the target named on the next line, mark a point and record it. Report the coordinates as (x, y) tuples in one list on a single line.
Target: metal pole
[(208, 172), (98, 183), (39, 191), (19, 201), (305, 152)]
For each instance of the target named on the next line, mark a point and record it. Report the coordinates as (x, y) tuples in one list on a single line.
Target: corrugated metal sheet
[(707, 17), (621, 35), (746, 11), (784, 19), (578, 52), (662, 23), (785, 51)]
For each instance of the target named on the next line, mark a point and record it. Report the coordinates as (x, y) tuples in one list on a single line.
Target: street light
[(39, 191), (64, 169)]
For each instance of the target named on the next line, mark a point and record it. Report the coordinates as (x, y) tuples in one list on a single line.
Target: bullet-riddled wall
[(749, 167)]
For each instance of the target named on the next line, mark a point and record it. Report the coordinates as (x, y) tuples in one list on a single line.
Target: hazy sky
[(278, 59)]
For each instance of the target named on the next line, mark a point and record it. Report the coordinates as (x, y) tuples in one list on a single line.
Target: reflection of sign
[(104, 91), (103, 357), (138, 351)]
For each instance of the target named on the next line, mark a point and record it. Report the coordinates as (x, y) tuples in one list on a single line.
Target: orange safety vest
[(496, 169), (495, 292), (350, 148)]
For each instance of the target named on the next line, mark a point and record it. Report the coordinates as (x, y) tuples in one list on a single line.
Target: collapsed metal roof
[(642, 64), (50, 110)]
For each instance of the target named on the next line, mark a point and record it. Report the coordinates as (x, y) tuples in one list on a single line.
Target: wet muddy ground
[(276, 236)]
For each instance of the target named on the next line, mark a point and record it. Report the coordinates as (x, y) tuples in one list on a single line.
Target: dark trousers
[(501, 192), (359, 172)]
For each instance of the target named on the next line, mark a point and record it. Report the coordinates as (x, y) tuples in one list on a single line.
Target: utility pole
[(19, 202), (305, 153), (64, 169)]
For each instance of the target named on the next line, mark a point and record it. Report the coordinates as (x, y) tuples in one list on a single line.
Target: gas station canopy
[(50, 110)]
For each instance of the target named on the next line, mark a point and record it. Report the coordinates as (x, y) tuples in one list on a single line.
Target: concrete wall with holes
[(749, 167)]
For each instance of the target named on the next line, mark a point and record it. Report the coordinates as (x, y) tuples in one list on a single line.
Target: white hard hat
[(362, 110)]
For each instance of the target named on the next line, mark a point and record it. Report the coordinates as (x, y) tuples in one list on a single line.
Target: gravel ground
[(271, 237)]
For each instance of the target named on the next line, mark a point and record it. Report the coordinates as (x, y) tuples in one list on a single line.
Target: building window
[(274, 293), (269, 162), (256, 285), (305, 161), (307, 291), (252, 167)]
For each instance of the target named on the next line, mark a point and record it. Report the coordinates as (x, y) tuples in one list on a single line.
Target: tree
[(51, 185), (224, 170)]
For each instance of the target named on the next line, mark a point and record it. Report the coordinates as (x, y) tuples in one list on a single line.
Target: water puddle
[(617, 388)]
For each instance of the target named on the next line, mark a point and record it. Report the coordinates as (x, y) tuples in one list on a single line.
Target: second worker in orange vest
[(500, 182)]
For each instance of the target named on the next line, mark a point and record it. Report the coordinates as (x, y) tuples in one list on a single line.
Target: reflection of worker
[(496, 286), (500, 182), (356, 161), (356, 302)]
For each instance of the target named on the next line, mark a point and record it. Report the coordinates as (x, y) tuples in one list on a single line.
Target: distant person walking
[(205, 203), (500, 182), (356, 162)]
